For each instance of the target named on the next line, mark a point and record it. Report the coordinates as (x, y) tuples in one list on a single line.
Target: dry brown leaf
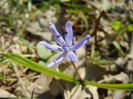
[(5, 94)]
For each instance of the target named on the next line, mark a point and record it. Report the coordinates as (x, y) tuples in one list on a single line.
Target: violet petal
[(69, 35), (50, 47), (73, 56), (57, 36), (57, 60), (81, 43)]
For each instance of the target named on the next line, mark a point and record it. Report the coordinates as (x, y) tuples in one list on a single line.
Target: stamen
[(58, 36), (54, 61), (59, 48), (65, 32)]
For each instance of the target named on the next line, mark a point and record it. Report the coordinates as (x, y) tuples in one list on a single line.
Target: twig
[(32, 95), (97, 26), (21, 81), (131, 46), (91, 4), (76, 70)]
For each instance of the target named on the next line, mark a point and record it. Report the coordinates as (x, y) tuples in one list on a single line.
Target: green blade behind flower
[(40, 68)]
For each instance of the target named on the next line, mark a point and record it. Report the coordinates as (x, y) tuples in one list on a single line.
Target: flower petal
[(69, 35), (57, 36), (57, 60), (73, 56), (81, 43), (50, 47)]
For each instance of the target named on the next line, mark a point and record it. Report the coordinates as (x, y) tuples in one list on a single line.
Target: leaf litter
[(106, 45)]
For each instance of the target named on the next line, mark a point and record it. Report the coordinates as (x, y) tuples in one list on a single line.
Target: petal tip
[(88, 36), (68, 22), (75, 60), (42, 42), (50, 25), (49, 65)]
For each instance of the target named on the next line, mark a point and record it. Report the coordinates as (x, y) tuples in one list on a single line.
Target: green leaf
[(116, 25), (74, 5), (128, 87), (1, 75), (42, 62), (10, 21), (131, 18), (99, 61), (40, 68), (130, 27), (82, 15), (118, 47), (96, 58), (2, 61), (43, 53)]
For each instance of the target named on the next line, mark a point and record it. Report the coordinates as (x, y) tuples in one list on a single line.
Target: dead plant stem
[(76, 70), (20, 80), (97, 27)]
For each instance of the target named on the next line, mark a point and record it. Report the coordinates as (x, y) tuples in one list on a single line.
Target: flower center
[(66, 48)]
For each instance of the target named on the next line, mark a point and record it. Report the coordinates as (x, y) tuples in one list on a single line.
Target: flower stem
[(76, 70)]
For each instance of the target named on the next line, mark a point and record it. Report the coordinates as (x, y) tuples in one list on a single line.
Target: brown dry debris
[(22, 29)]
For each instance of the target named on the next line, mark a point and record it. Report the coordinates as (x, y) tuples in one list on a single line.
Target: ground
[(106, 58)]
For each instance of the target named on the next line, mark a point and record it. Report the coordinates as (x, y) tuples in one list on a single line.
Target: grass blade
[(40, 68)]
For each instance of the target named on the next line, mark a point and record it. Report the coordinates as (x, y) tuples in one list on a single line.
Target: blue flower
[(65, 45)]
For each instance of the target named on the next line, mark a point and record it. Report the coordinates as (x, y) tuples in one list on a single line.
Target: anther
[(58, 36)]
